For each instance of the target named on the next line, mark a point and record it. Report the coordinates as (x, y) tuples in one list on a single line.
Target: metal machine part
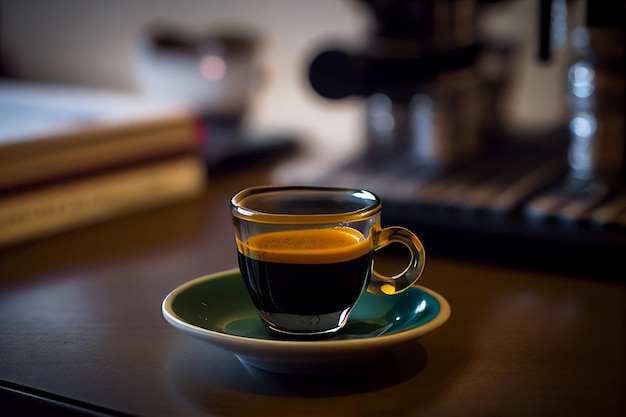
[(418, 75), (435, 152)]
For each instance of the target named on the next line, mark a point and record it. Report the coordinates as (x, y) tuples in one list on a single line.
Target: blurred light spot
[(559, 22), (379, 107), (583, 125), (581, 77), (580, 156), (212, 67)]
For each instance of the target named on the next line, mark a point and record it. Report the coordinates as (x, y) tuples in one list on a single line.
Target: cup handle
[(390, 285)]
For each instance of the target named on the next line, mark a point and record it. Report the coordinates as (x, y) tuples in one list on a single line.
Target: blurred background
[(495, 122), (99, 44)]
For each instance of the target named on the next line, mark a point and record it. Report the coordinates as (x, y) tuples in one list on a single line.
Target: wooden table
[(81, 333)]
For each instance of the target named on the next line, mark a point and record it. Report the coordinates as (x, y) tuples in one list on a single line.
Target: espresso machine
[(441, 156)]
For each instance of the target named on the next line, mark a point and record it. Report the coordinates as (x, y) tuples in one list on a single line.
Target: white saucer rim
[(226, 339)]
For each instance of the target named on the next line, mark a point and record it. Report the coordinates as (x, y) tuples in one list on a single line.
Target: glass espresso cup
[(306, 254)]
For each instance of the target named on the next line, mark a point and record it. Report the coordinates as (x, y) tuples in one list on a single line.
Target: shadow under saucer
[(194, 372)]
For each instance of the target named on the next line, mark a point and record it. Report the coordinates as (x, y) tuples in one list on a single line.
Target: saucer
[(217, 309)]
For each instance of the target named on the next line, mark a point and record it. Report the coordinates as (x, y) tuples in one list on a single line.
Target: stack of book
[(71, 156)]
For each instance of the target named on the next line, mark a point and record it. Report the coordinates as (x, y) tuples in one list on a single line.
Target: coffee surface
[(309, 246)]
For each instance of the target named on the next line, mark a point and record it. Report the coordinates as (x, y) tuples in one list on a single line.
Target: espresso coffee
[(309, 272)]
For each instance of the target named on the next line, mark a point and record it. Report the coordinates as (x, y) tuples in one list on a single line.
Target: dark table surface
[(81, 333)]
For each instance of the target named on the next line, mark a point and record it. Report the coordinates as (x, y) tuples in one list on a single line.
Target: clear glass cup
[(306, 254)]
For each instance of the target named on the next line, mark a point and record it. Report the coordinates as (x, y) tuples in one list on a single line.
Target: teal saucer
[(217, 309)]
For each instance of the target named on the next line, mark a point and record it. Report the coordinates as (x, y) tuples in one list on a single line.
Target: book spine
[(72, 204), (98, 149)]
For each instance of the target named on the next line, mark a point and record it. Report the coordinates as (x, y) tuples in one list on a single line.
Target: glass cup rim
[(258, 216)]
